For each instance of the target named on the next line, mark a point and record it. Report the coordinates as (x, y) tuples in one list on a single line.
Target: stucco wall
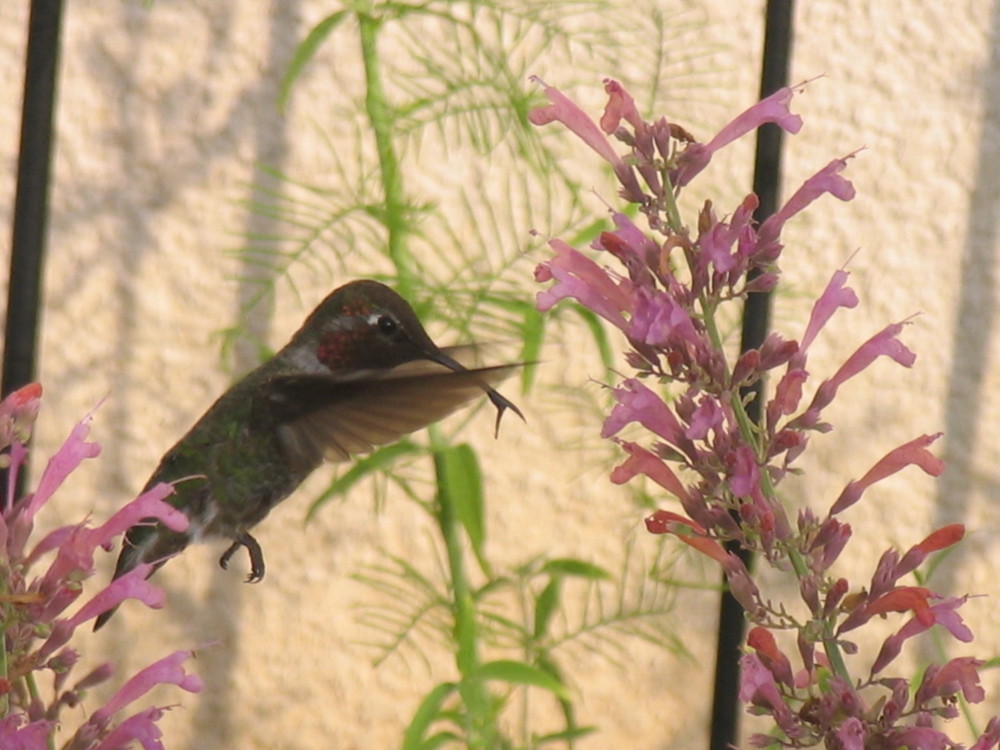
[(164, 110)]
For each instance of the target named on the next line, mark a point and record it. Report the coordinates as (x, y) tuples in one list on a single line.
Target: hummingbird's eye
[(387, 325)]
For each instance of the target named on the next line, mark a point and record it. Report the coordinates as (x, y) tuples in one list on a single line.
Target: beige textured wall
[(163, 111)]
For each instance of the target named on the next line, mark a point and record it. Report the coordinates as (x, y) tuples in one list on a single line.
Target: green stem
[(480, 729), (836, 659), (381, 116), (670, 204), (4, 667), (36, 697), (750, 434)]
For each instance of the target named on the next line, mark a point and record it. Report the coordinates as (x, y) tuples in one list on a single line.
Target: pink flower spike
[(167, 671), (563, 109), (835, 295), (914, 452)]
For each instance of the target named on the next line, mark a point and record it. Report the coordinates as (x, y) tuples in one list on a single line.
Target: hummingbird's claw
[(256, 556), (502, 404)]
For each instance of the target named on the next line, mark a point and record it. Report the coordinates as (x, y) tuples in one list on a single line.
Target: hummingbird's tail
[(146, 542)]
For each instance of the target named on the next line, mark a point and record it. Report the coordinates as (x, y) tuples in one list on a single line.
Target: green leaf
[(463, 483), (567, 735), (532, 333), (545, 605), (441, 739), (426, 714), (519, 673), (599, 335), (362, 467), (568, 566), (305, 51)]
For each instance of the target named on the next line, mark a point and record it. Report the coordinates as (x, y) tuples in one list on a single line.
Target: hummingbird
[(361, 372)]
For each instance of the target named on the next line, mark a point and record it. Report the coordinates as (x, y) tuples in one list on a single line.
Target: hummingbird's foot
[(255, 552)]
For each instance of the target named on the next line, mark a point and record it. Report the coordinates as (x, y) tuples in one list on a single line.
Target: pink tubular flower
[(759, 688), (835, 295), (937, 540), (944, 613), (579, 277), (660, 321), (689, 532), (772, 109), (851, 734), (562, 109), (902, 599), (762, 641), (140, 727), (18, 413), (912, 453), (884, 343), (620, 106), (67, 458), (642, 461), (16, 733), (637, 403), (958, 675), (991, 737), (166, 671), (827, 180)]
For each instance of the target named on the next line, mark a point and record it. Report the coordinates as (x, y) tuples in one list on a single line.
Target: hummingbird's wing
[(322, 417)]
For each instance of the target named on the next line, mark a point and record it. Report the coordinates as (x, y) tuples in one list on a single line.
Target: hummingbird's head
[(365, 325)]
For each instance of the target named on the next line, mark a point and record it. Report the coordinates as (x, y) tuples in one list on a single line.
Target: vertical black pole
[(31, 199), (756, 321)]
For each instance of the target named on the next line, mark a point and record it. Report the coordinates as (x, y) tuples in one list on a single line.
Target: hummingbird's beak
[(500, 402)]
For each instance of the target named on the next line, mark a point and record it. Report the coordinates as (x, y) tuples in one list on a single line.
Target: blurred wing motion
[(327, 418)]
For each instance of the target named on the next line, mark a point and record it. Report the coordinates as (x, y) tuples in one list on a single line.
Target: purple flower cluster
[(722, 468), (41, 581)]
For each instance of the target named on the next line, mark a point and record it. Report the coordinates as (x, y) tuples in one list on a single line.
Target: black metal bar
[(31, 198), (31, 201), (778, 23)]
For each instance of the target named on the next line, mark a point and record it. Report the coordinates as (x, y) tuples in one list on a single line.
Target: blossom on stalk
[(41, 585), (662, 288)]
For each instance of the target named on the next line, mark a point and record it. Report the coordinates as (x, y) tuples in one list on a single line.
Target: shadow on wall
[(973, 333), (139, 193)]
